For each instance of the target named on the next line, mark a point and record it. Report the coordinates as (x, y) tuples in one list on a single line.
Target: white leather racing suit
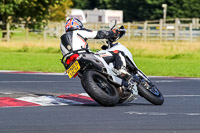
[(77, 39)]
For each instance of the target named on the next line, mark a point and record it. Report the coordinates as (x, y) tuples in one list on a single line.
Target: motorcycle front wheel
[(98, 88), (149, 91), (153, 95)]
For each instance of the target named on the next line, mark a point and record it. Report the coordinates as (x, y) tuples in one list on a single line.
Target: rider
[(76, 38)]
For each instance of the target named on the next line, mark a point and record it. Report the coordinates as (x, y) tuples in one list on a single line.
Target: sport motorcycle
[(102, 82)]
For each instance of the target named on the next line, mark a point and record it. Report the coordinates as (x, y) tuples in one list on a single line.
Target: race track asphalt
[(179, 113)]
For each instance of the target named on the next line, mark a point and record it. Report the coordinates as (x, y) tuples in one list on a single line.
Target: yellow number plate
[(73, 69)]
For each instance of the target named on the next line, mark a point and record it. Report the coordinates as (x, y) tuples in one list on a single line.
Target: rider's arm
[(101, 34)]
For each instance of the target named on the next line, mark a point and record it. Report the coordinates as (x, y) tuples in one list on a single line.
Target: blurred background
[(167, 29), (145, 20)]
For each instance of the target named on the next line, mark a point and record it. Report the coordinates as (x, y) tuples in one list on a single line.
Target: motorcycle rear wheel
[(98, 88)]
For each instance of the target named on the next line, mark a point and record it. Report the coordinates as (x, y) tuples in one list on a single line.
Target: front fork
[(140, 77), (141, 74)]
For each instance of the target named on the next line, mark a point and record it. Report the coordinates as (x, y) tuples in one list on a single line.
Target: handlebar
[(121, 33), (121, 29)]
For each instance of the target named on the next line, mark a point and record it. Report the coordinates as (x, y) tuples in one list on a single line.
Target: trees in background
[(134, 10), (183, 8), (33, 10), (58, 11), (36, 12), (139, 10)]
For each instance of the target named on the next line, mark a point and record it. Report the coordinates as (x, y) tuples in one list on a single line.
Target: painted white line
[(166, 81), (37, 81), (46, 73), (160, 113), (34, 73), (6, 93), (171, 77), (181, 95)]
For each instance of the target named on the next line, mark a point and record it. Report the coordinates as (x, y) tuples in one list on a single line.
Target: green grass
[(169, 67), (166, 54), (25, 61), (50, 62)]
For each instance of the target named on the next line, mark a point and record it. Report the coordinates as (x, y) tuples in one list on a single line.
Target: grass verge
[(153, 58), (25, 61), (50, 62), (169, 67)]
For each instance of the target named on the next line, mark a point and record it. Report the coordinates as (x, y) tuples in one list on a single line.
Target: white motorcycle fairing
[(120, 47)]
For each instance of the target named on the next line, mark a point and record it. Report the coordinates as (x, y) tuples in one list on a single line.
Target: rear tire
[(98, 88)]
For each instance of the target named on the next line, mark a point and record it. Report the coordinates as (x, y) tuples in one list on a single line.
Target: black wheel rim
[(103, 85), (154, 91)]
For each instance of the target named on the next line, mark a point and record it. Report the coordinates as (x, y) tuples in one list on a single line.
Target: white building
[(97, 15), (76, 13)]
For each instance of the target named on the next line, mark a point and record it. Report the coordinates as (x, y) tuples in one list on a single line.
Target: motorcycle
[(102, 82)]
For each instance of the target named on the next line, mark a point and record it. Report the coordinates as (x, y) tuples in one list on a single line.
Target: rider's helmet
[(73, 24)]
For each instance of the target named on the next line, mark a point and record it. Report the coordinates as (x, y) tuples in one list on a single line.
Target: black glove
[(115, 32)]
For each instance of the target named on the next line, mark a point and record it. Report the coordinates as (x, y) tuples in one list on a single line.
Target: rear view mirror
[(112, 24)]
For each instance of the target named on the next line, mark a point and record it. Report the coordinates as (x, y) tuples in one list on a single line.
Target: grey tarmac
[(180, 112)]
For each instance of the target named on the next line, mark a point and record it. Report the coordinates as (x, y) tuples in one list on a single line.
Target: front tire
[(98, 88), (152, 94)]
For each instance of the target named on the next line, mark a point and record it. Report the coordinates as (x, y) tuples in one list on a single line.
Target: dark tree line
[(139, 10), (36, 12)]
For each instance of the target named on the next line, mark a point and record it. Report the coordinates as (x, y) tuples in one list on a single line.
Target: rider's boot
[(132, 87), (124, 74), (128, 77)]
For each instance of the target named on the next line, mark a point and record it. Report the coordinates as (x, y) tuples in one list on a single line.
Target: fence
[(172, 29), (158, 30)]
